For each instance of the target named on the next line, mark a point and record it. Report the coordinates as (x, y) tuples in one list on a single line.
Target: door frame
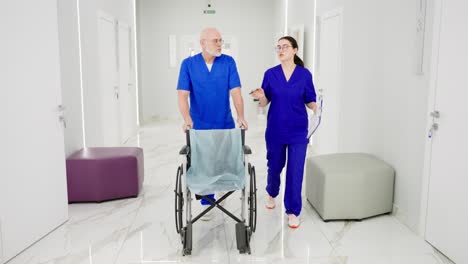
[(318, 36), (1, 242), (111, 19), (132, 116), (433, 71), (317, 67)]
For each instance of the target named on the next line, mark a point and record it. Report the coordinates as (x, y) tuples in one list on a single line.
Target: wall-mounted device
[(209, 9), (420, 35)]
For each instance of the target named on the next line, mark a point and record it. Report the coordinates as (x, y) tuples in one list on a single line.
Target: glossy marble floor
[(142, 230)]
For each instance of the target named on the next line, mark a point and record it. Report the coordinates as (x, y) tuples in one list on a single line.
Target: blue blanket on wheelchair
[(216, 161)]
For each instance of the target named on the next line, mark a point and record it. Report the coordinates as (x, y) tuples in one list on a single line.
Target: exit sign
[(209, 12)]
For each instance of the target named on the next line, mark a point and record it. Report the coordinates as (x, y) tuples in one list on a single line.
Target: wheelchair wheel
[(179, 200), (252, 200)]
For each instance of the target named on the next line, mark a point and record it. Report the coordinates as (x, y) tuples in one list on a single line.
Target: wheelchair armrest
[(184, 150), (247, 149)]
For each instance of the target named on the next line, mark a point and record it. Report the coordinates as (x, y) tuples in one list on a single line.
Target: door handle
[(63, 121), (61, 108), (435, 114), (433, 128)]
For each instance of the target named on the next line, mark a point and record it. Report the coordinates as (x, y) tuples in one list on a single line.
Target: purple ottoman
[(99, 174)]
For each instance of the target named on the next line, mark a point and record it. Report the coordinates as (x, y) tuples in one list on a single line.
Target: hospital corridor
[(149, 131)]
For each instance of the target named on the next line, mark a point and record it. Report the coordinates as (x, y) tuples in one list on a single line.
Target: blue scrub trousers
[(203, 201), (276, 156)]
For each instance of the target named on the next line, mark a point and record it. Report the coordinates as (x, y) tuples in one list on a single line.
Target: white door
[(447, 212), (108, 84), (33, 186), (127, 90), (328, 81)]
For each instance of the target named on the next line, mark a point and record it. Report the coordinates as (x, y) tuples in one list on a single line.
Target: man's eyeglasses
[(216, 41), (279, 48)]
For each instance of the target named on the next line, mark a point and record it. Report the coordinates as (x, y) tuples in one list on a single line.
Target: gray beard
[(213, 53)]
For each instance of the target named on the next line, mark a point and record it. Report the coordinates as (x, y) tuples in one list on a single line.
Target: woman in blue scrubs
[(289, 89)]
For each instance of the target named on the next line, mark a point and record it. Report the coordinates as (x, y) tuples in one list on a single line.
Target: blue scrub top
[(209, 91), (287, 121)]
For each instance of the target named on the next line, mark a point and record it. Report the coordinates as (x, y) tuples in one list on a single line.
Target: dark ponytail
[(298, 61), (293, 42)]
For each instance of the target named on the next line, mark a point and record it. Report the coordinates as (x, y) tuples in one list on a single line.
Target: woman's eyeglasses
[(279, 48)]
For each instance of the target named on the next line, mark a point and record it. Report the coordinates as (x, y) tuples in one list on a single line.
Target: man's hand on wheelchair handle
[(242, 123), (188, 124)]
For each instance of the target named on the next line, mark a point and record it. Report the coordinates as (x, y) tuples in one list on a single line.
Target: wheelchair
[(245, 226)]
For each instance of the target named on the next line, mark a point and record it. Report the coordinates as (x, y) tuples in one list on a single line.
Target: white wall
[(70, 74), (302, 12), (252, 22), (279, 16), (384, 105), (361, 98), (362, 77), (122, 10)]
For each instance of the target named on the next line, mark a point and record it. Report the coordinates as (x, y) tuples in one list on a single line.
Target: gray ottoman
[(349, 185)]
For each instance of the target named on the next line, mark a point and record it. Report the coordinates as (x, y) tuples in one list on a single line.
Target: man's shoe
[(208, 215)]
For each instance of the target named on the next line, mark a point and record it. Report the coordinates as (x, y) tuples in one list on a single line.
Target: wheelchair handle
[(187, 136), (243, 136)]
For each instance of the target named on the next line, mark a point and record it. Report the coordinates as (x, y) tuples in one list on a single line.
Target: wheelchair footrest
[(186, 235), (243, 238)]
